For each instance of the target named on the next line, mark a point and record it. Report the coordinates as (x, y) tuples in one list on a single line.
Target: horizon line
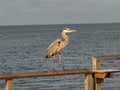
[(60, 24)]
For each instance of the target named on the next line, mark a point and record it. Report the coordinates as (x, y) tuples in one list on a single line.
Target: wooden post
[(88, 81), (9, 84), (96, 66)]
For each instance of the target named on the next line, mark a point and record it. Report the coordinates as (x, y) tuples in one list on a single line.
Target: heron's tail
[(46, 56)]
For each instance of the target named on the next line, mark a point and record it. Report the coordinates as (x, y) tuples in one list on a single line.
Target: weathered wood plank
[(100, 75), (106, 71), (108, 57), (43, 73)]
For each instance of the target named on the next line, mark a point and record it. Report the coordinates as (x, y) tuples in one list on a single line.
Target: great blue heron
[(57, 46)]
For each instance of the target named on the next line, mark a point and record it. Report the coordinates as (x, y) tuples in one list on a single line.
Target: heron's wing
[(53, 48)]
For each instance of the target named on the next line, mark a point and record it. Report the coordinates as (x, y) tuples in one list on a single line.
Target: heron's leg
[(60, 60), (53, 63)]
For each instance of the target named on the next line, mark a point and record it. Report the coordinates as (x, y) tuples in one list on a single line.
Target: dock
[(93, 78)]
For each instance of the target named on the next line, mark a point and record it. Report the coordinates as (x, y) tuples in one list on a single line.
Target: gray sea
[(22, 49)]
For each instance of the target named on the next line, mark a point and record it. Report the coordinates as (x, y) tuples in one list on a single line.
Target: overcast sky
[(22, 12)]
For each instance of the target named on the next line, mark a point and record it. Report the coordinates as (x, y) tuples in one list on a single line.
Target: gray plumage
[(53, 49)]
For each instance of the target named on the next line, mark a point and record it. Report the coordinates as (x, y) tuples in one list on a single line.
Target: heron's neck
[(66, 39)]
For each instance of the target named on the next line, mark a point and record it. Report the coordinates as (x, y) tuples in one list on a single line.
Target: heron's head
[(67, 30)]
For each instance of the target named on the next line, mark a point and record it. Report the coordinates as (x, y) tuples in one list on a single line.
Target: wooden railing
[(96, 75), (97, 66), (10, 77)]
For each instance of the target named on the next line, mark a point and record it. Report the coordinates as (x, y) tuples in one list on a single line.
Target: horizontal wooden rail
[(43, 73), (100, 75), (10, 77), (108, 57), (106, 71), (55, 73)]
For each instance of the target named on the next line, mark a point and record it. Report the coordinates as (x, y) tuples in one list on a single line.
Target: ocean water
[(22, 49)]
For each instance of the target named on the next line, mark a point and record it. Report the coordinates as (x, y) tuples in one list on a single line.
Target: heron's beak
[(69, 30), (73, 30)]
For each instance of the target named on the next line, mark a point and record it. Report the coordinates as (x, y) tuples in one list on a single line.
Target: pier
[(93, 78)]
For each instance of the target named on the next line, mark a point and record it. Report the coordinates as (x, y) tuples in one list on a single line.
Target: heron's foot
[(53, 70), (63, 69)]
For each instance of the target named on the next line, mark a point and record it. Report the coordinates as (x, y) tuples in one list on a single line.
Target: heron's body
[(58, 45), (54, 48)]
